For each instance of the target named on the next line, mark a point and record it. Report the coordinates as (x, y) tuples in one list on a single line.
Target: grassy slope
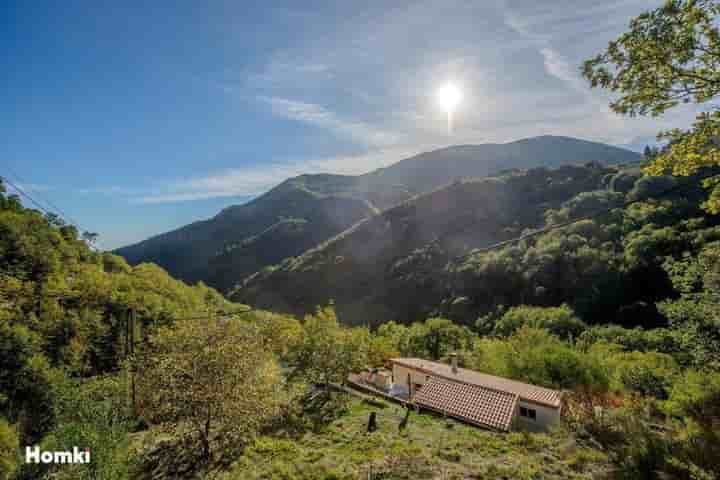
[(430, 447)]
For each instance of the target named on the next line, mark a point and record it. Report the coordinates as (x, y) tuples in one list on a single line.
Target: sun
[(449, 97)]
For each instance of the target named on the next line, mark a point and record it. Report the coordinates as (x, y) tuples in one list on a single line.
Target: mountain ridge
[(330, 203)]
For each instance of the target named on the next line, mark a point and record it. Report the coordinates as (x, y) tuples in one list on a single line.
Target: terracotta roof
[(471, 403), (526, 392)]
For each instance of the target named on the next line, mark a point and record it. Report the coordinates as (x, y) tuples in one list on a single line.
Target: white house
[(484, 400)]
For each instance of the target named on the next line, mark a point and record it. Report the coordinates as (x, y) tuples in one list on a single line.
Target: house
[(485, 400)]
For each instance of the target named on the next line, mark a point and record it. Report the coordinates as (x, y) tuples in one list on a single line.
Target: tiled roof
[(526, 392), (471, 403)]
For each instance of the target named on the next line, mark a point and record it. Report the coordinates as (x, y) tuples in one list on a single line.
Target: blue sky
[(138, 117)]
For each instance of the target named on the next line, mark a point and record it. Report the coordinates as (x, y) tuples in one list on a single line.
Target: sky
[(134, 118)]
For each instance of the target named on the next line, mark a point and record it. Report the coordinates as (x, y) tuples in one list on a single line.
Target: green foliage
[(93, 414), (209, 379), (696, 396), (668, 57), (26, 382), (279, 333), (435, 338), (535, 356), (326, 353), (415, 260), (63, 308), (560, 321), (9, 448), (649, 374)]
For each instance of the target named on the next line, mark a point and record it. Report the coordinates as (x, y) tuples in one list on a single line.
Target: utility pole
[(130, 352)]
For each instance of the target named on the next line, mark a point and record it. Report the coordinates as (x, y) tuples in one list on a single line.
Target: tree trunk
[(206, 438)]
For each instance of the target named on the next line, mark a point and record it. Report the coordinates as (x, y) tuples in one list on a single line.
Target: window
[(528, 413)]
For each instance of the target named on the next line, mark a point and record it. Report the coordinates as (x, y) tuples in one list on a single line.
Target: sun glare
[(449, 97)]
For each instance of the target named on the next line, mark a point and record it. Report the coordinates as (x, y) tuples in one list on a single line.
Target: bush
[(535, 356), (9, 448), (560, 321)]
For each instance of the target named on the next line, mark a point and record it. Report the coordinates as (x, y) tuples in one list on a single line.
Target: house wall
[(544, 416), (400, 376)]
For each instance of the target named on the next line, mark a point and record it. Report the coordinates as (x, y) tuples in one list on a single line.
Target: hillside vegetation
[(63, 318), (417, 259), (306, 210), (251, 394)]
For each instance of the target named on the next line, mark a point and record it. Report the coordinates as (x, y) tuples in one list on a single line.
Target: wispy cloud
[(280, 72), (319, 116), (253, 181), (558, 66), (110, 190)]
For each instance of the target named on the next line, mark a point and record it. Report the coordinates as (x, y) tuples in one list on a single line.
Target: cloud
[(110, 190), (318, 116), (253, 181), (557, 66), (281, 72)]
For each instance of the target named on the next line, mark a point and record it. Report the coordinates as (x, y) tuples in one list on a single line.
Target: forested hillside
[(304, 211), (417, 259), (64, 311)]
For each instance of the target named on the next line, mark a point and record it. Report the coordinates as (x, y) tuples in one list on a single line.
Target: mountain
[(285, 211), (391, 266), (306, 210), (426, 171)]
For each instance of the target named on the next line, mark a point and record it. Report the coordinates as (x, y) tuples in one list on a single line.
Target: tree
[(279, 333), (208, 379), (90, 237), (437, 337), (669, 56), (696, 399), (535, 356), (326, 352), (25, 382), (560, 321), (9, 447)]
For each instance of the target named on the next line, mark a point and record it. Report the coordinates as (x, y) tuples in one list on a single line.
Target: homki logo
[(34, 455)]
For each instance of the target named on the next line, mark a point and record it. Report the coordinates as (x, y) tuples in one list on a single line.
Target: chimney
[(453, 362)]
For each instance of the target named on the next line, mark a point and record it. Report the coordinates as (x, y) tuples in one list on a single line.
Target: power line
[(45, 200), (41, 207), (22, 192)]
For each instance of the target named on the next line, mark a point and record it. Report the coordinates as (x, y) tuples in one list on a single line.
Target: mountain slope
[(187, 252), (306, 210), (391, 266)]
